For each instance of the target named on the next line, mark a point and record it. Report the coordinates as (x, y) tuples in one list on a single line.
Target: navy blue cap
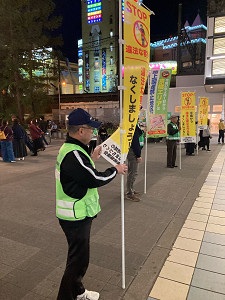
[(82, 117)]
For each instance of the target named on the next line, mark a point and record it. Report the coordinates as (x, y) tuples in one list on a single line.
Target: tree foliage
[(26, 28)]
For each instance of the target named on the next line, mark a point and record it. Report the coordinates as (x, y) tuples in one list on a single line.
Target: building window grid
[(219, 26)]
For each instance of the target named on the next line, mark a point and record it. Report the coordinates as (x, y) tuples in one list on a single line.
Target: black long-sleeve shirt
[(135, 145), (77, 173)]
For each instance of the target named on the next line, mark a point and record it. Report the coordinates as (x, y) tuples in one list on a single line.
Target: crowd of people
[(14, 139), (173, 131)]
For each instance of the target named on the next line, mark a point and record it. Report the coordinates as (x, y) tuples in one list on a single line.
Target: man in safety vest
[(77, 200), (172, 138)]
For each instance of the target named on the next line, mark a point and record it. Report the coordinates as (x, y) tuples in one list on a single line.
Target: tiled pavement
[(195, 267), (33, 247)]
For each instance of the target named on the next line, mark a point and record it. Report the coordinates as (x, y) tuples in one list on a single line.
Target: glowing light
[(94, 11)]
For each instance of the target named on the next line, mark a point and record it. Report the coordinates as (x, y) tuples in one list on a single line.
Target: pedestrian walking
[(103, 133), (172, 139), (77, 200), (19, 147), (206, 135), (36, 138), (221, 131), (43, 125), (6, 143), (134, 158)]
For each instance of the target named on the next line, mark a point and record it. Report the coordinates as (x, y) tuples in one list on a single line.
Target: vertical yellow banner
[(136, 65), (203, 112), (136, 69), (188, 132)]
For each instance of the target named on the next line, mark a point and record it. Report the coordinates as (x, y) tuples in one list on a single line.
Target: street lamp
[(59, 87)]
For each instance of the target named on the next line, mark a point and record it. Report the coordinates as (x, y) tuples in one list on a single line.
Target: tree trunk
[(18, 98)]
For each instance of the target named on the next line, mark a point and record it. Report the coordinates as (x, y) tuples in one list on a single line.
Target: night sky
[(163, 24)]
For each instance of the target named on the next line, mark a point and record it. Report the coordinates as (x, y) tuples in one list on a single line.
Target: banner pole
[(121, 139), (197, 125), (180, 146), (146, 134), (146, 154)]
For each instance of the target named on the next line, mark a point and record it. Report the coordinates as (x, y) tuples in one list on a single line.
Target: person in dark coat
[(19, 147), (36, 137), (103, 133), (43, 125), (206, 135), (133, 157)]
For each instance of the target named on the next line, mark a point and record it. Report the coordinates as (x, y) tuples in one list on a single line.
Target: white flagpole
[(146, 154), (197, 125), (146, 136), (180, 141), (121, 139)]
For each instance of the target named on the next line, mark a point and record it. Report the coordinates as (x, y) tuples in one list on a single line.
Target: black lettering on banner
[(131, 121), (132, 101)]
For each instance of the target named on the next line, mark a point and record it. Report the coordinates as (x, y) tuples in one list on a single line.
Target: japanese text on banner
[(136, 65), (136, 68), (158, 102), (203, 112), (188, 130)]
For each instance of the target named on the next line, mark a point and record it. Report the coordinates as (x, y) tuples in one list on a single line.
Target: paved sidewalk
[(33, 247), (195, 268)]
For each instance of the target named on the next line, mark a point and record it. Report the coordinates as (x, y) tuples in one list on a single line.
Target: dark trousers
[(221, 136), (132, 172), (37, 144), (171, 152), (44, 139), (206, 142), (190, 148), (78, 238)]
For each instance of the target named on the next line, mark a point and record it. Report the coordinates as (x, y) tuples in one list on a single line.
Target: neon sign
[(94, 11), (164, 65), (104, 69)]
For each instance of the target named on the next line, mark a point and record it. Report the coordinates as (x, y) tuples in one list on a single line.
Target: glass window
[(111, 47), (219, 25), (97, 89), (96, 51), (96, 77), (111, 60), (218, 67), (219, 46), (217, 108), (96, 64), (111, 33), (187, 64)]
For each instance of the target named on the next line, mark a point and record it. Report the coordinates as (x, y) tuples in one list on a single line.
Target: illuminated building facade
[(215, 51), (99, 59), (100, 33), (192, 48)]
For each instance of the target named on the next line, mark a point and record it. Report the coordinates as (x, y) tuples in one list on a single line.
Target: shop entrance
[(214, 123)]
